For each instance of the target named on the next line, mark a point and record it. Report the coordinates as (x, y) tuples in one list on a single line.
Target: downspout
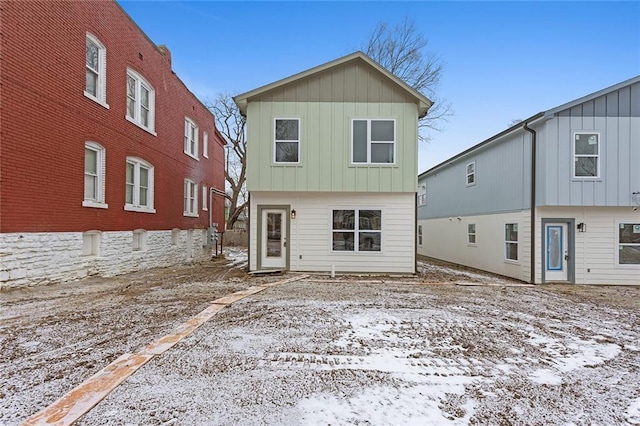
[(532, 202)]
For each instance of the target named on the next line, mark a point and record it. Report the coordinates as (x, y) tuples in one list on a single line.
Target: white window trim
[(287, 141), (356, 230), (192, 195), (141, 81), (188, 124), (517, 242), (617, 246), (369, 142), (574, 155), (91, 243), (467, 174), (101, 83), (135, 207), (422, 195), (205, 196), (475, 234), (139, 241), (99, 202), (205, 144)]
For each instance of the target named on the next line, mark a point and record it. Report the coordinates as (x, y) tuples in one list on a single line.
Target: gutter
[(532, 206)]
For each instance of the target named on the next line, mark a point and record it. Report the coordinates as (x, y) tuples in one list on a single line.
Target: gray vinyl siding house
[(331, 169), (475, 208)]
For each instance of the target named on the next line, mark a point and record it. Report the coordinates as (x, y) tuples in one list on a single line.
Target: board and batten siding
[(616, 117), (311, 231), (325, 148)]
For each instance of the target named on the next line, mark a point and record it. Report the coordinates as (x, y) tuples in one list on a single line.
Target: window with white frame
[(205, 196), (357, 230), (419, 235), (287, 140), (140, 101), (586, 155), (205, 145), (471, 233), (190, 138), (139, 186), (139, 242), (471, 174), (628, 244), (190, 198), (94, 175), (422, 194), (91, 243), (373, 141), (511, 241), (96, 71)]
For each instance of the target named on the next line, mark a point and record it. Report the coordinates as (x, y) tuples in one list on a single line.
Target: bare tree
[(513, 122), (231, 125), (402, 49)]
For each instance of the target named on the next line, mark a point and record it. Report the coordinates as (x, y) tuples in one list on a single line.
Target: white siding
[(310, 238)]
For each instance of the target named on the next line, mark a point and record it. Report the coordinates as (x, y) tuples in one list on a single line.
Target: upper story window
[(139, 186), (96, 71), (190, 138), (190, 198), (628, 244), (357, 230), (287, 140), (205, 145), (586, 155), (140, 101), (471, 174), (511, 241), (373, 141), (422, 194), (94, 175)]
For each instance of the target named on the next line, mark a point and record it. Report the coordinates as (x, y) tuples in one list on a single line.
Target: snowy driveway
[(332, 351)]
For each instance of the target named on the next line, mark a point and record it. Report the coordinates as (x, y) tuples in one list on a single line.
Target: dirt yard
[(321, 350)]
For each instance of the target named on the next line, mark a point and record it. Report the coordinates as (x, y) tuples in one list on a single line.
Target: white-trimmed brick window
[(190, 138), (373, 141), (471, 234), (286, 139), (471, 174), (190, 198), (205, 196), (205, 145), (511, 241), (139, 242), (141, 98), (586, 153), (139, 186), (94, 175), (91, 243), (96, 71)]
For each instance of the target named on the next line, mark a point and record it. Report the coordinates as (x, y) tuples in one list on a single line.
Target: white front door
[(274, 238), (557, 252)]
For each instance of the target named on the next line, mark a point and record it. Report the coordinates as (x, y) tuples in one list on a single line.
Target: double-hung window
[(94, 175), (287, 140), (511, 241), (139, 186), (471, 174), (190, 198), (629, 244), (205, 145), (471, 234), (190, 138), (586, 155), (422, 194), (419, 235), (96, 71), (373, 141), (357, 230), (140, 101)]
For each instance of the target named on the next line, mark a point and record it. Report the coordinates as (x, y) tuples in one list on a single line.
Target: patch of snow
[(633, 412), (544, 376)]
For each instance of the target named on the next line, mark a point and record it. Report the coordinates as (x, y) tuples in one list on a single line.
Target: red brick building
[(110, 173)]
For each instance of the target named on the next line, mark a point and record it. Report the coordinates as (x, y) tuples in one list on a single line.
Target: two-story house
[(330, 159), (104, 174), (578, 165)]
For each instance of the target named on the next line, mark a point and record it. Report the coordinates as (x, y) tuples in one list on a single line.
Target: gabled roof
[(544, 115), (422, 101)]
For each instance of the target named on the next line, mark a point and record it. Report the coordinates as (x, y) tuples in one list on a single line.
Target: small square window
[(139, 240), (91, 243)]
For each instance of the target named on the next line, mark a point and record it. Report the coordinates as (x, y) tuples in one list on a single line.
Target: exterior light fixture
[(582, 227), (293, 214)]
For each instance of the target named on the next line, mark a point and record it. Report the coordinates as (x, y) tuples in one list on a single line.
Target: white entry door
[(557, 252), (274, 238)]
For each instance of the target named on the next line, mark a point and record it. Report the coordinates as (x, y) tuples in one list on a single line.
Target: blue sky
[(503, 60)]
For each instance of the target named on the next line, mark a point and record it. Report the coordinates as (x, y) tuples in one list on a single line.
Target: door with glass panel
[(557, 252), (273, 238)]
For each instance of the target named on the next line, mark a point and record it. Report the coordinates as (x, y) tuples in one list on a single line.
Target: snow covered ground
[(321, 351)]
